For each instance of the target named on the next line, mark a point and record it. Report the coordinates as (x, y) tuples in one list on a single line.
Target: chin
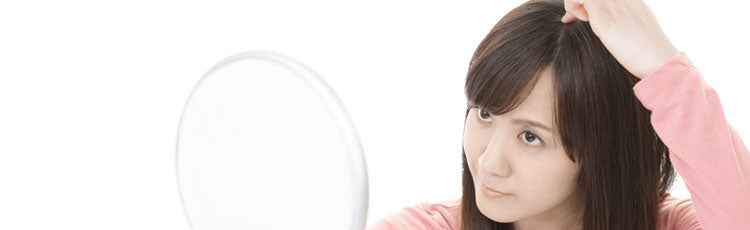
[(494, 210)]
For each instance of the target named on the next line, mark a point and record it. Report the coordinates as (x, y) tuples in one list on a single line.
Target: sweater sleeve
[(435, 216), (706, 151)]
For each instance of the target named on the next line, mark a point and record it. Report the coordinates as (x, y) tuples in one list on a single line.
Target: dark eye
[(482, 114), (530, 138)]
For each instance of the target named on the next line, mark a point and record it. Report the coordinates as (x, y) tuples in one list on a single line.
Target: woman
[(577, 111)]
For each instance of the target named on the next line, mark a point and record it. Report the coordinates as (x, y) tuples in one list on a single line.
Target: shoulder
[(426, 215), (678, 213)]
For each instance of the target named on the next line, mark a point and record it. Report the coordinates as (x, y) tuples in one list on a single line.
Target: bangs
[(504, 88), (510, 60)]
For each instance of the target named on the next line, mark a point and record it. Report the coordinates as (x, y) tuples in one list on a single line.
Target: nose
[(494, 160)]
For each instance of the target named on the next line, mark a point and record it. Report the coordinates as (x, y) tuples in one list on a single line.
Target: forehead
[(539, 105)]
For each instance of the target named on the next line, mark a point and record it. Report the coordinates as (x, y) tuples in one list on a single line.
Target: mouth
[(490, 192)]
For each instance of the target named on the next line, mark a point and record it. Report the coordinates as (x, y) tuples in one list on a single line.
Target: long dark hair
[(625, 167)]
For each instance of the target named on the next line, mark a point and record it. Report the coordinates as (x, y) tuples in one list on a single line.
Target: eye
[(483, 114), (530, 138)]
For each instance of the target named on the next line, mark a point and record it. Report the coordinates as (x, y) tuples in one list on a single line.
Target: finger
[(573, 4), (579, 13), (568, 18), (575, 8)]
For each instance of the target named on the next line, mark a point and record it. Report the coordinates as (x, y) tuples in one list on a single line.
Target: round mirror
[(264, 143)]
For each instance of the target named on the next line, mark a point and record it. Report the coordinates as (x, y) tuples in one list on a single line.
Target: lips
[(490, 192)]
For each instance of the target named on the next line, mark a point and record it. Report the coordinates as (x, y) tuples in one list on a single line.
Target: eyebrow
[(531, 123)]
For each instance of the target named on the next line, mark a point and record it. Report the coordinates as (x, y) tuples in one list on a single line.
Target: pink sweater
[(706, 151)]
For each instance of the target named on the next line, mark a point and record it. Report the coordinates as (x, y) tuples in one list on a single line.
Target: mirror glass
[(265, 143)]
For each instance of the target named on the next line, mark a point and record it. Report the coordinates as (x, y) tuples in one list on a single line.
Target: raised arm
[(707, 152)]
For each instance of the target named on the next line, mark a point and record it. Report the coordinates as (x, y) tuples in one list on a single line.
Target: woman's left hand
[(628, 29)]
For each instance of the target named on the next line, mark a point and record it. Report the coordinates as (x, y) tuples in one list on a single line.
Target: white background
[(91, 92)]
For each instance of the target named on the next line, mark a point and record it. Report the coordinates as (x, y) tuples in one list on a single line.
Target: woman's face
[(518, 153)]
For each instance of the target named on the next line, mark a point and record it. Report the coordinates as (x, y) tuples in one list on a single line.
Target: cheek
[(553, 180)]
